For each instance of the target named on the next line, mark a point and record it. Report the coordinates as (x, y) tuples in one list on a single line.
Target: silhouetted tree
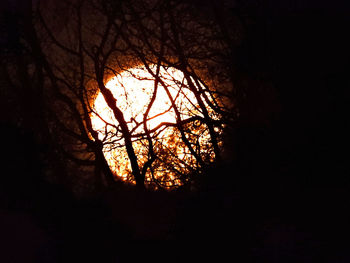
[(73, 48)]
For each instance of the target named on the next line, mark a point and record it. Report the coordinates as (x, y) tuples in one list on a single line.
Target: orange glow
[(133, 90)]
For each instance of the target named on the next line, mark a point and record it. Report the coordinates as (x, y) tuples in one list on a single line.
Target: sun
[(147, 104)]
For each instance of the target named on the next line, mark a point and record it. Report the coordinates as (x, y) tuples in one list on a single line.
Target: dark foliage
[(284, 197)]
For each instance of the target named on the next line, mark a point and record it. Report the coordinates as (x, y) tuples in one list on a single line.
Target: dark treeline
[(282, 197)]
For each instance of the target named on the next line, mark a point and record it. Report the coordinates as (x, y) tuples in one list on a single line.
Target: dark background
[(284, 198)]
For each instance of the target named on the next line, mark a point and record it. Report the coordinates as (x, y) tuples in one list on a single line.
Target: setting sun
[(134, 89)]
